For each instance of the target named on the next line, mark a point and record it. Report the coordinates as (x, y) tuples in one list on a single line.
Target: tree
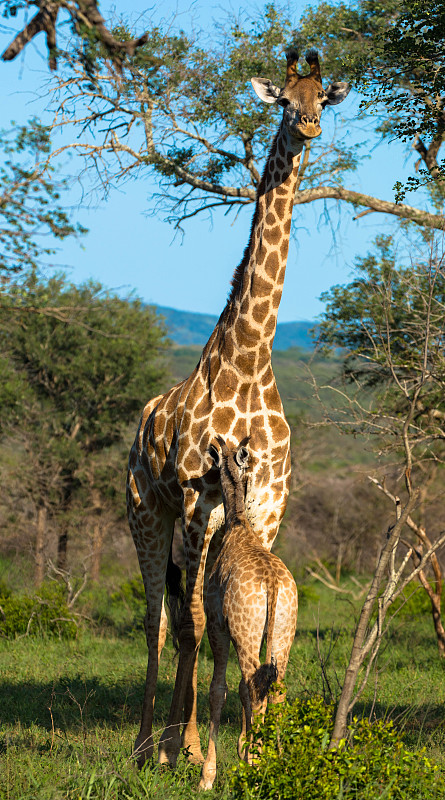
[(29, 195), (390, 324), (181, 106), (393, 53), (83, 371), (413, 50), (389, 321), (182, 109)]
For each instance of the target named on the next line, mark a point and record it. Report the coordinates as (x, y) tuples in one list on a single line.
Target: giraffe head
[(232, 464), (235, 460), (302, 97)]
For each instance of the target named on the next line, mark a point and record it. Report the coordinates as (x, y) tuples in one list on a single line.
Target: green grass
[(70, 710)]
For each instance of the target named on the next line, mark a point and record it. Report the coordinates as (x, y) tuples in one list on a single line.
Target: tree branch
[(82, 12), (44, 20), (401, 210)]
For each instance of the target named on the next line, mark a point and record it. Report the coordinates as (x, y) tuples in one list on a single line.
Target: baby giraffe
[(251, 594)]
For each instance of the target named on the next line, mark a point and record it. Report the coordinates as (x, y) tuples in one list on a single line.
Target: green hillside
[(292, 368), (295, 369), (187, 329)]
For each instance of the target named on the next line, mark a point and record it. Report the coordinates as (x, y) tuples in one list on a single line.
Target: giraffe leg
[(190, 735), (284, 630), (220, 644), (196, 539), (252, 704), (152, 532), (143, 748), (278, 695), (190, 635), (249, 662), (246, 718)]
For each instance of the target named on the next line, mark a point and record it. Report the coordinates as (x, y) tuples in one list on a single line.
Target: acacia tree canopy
[(180, 106), (87, 353), (30, 212), (393, 54), (184, 109), (75, 362), (414, 50)]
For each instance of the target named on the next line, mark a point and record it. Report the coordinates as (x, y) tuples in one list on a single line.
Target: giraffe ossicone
[(232, 393)]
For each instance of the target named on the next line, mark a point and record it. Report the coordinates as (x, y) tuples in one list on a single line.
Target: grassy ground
[(70, 709)]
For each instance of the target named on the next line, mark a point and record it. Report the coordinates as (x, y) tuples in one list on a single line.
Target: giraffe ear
[(216, 455), (265, 89), (337, 92), (242, 457)]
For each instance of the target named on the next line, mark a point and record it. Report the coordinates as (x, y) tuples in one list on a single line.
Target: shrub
[(132, 594), (131, 591), (295, 762), (45, 612), (307, 595), (124, 609), (413, 601)]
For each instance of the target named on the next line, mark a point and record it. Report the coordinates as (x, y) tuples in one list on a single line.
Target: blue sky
[(127, 250)]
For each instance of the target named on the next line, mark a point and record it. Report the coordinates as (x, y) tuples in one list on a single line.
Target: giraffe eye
[(283, 102)]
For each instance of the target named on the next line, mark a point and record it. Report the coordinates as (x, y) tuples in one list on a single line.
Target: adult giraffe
[(232, 392)]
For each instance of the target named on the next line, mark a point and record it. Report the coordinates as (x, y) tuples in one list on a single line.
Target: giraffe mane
[(226, 317)]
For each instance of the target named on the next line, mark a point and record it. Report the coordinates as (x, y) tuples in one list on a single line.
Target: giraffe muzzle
[(308, 130)]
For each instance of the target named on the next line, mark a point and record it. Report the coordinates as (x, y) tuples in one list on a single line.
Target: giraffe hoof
[(167, 754), (167, 759), (206, 783), (191, 745), (169, 746), (193, 755), (143, 751)]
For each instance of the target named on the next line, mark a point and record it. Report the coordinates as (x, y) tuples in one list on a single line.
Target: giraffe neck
[(233, 494), (249, 320)]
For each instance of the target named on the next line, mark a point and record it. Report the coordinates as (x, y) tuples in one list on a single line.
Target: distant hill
[(293, 369), (294, 334), (187, 328)]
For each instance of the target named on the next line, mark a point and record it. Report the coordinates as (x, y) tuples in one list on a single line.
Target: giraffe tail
[(267, 673), (272, 597), (175, 597), (261, 681)]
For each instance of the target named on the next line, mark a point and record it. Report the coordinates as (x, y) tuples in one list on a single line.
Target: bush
[(131, 596), (295, 762), (307, 595), (413, 601), (45, 612)]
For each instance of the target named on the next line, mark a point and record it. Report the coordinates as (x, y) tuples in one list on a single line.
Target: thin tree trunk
[(62, 547), (40, 545), (98, 538), (365, 640), (435, 594), (438, 625)]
